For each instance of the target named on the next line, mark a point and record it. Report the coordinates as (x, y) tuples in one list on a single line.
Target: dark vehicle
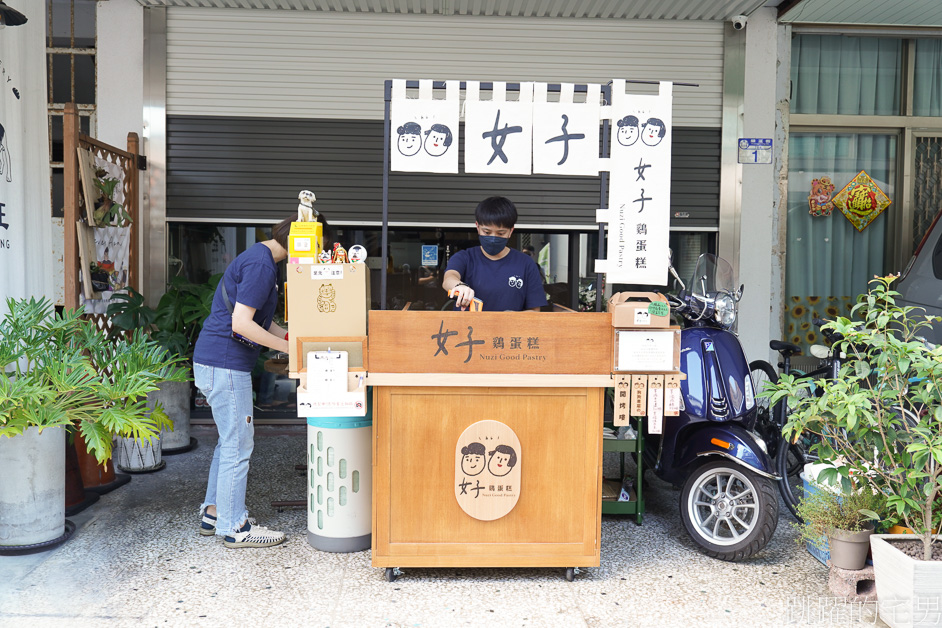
[(921, 281), (728, 503)]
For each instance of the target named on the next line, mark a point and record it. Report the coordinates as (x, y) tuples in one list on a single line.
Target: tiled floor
[(136, 560)]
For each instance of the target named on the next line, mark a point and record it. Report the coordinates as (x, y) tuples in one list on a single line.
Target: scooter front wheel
[(729, 511)]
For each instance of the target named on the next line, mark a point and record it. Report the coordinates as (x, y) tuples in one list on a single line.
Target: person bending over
[(501, 277)]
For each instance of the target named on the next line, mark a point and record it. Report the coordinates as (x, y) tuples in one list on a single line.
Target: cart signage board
[(490, 342), (647, 351), (487, 470)]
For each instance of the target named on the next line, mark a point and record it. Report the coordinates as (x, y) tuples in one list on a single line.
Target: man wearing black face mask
[(501, 277)]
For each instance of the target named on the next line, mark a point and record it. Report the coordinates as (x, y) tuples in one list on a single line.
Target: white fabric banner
[(424, 131), (25, 218), (565, 133), (498, 133), (639, 191)]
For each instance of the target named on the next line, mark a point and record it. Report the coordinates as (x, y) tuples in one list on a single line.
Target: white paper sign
[(26, 240), (424, 131), (327, 271), (655, 409), (639, 192), (645, 351), (498, 133), (566, 134)]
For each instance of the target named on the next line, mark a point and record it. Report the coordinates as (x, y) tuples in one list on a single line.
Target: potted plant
[(174, 324), (59, 371), (845, 520), (881, 418)]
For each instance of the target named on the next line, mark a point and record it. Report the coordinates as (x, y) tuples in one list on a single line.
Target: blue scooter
[(728, 503)]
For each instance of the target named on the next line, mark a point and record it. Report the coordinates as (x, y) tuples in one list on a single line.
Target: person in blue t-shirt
[(239, 323), (501, 277)]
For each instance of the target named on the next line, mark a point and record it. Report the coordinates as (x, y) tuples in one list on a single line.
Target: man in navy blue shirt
[(501, 277)]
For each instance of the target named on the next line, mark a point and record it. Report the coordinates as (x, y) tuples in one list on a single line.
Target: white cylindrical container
[(174, 397), (340, 482), (133, 455), (32, 492)]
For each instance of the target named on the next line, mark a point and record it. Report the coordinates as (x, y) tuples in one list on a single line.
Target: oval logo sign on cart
[(487, 470)]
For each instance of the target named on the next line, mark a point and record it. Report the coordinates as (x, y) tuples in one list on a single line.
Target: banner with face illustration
[(498, 132), (639, 194), (566, 133), (424, 131), (25, 220)]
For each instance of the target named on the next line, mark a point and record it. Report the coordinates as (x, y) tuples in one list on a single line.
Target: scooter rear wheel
[(730, 512)]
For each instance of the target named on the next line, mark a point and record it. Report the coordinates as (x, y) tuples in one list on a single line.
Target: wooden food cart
[(441, 380)]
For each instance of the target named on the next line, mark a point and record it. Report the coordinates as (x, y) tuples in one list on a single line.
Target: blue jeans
[(230, 396)]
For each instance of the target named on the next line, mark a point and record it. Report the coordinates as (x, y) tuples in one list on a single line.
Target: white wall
[(120, 71), (758, 315)]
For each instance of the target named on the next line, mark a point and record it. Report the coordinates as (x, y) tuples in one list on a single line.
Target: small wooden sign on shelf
[(622, 400), (655, 404), (672, 395)]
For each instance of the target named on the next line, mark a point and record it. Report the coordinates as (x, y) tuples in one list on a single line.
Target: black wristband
[(461, 283)]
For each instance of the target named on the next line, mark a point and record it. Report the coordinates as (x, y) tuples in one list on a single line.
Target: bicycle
[(790, 457)]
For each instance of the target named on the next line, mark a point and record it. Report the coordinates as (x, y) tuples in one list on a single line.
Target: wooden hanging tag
[(622, 400), (639, 395), (672, 395), (655, 404)]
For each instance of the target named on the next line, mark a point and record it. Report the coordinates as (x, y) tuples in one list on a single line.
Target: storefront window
[(927, 79), (832, 74), (828, 261)]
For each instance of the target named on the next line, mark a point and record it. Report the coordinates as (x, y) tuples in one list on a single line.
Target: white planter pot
[(135, 455), (32, 490), (174, 397), (907, 589)]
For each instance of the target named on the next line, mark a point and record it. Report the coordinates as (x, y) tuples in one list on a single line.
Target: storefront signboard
[(424, 130), (498, 132)]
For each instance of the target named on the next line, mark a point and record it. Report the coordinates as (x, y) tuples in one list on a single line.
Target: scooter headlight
[(724, 310)]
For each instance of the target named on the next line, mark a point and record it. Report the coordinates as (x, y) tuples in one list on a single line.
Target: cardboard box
[(327, 301), (305, 240), (639, 310)]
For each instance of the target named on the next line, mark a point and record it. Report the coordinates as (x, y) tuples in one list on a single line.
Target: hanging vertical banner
[(424, 131), (566, 133), (26, 255), (498, 133), (639, 193)]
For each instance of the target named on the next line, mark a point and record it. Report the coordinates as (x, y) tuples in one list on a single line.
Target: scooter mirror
[(742, 287)]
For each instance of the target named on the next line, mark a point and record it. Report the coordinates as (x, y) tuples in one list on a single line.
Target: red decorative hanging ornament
[(819, 201), (861, 201)]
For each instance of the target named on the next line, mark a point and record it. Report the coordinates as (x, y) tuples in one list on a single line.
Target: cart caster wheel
[(571, 573), (392, 573)]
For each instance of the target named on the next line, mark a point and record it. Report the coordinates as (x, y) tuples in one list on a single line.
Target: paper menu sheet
[(646, 351)]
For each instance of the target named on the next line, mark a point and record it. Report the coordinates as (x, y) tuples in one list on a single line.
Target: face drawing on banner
[(503, 459), (653, 131), (5, 162), (437, 140), (410, 139), (472, 459), (628, 131)]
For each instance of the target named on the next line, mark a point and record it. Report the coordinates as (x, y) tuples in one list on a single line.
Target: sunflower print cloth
[(801, 312)]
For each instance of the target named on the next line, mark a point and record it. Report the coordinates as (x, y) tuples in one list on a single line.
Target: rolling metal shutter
[(310, 64), (222, 168)]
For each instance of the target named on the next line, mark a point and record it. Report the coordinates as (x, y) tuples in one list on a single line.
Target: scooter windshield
[(712, 275)]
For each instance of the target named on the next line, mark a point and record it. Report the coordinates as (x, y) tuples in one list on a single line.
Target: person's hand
[(463, 293)]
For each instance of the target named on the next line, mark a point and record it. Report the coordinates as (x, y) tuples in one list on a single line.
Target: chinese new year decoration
[(861, 201), (819, 201)]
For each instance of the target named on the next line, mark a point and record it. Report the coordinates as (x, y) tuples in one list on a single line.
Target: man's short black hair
[(496, 211)]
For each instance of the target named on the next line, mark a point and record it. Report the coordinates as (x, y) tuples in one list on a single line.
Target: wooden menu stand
[(434, 375)]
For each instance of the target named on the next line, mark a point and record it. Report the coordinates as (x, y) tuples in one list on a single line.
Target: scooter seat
[(787, 349)]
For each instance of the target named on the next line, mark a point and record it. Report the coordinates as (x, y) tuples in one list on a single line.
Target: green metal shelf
[(635, 446)]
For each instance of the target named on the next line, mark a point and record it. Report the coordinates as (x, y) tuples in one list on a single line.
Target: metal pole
[(387, 96)]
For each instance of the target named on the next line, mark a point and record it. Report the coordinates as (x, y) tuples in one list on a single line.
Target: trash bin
[(340, 481)]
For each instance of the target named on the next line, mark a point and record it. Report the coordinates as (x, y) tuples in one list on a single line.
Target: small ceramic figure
[(357, 253), (340, 254), (325, 257), (306, 211)]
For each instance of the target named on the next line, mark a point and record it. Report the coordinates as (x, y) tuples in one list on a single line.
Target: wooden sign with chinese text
[(672, 395), (655, 404), (490, 342), (639, 395), (622, 404), (487, 470)]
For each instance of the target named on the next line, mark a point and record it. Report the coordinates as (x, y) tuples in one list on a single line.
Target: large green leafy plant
[(880, 420), (59, 369), (176, 321)]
